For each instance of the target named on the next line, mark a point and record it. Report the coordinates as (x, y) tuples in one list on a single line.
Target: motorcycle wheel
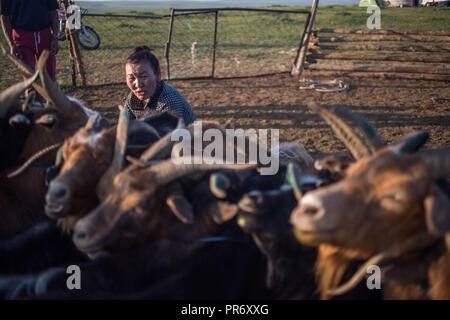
[(88, 38)]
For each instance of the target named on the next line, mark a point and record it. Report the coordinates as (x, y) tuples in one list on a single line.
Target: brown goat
[(379, 210), (23, 191)]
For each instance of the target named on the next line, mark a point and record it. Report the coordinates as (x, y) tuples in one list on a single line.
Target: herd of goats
[(140, 226)]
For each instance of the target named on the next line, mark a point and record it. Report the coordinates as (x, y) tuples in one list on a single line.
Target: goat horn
[(292, 180), (438, 161), (30, 98), (162, 148), (55, 94), (119, 155), (167, 171), (28, 72), (342, 131), (411, 142), (10, 95), (371, 135), (93, 121), (141, 126)]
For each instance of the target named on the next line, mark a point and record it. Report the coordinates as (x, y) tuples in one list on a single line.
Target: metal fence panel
[(204, 43), (248, 42)]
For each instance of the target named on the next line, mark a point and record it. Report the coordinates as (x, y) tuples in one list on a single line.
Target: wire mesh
[(214, 42)]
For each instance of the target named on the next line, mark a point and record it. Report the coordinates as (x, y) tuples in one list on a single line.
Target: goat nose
[(80, 235), (59, 192), (309, 210)]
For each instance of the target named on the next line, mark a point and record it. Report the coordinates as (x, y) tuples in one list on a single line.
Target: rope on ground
[(324, 86)]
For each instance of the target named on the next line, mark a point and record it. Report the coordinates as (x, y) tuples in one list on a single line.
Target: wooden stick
[(385, 38), (301, 59), (384, 75), (385, 32), (75, 50), (379, 57), (377, 68), (386, 47)]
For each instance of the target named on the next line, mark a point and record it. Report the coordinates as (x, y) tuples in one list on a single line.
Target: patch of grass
[(239, 34)]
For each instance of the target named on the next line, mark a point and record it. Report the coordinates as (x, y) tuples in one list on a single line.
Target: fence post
[(215, 44), (301, 59), (74, 49), (169, 40)]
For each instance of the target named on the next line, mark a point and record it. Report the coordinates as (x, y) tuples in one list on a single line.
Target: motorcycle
[(87, 37)]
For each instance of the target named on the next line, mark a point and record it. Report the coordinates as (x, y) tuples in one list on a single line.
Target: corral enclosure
[(268, 41)]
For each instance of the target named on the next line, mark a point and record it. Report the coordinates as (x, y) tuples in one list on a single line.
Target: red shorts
[(31, 44)]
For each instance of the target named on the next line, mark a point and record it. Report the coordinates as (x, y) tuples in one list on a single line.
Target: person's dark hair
[(144, 53)]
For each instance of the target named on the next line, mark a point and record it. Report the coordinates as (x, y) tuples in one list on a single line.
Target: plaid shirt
[(165, 98)]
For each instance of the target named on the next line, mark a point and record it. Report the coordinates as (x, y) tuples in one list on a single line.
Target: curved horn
[(54, 93), (167, 171), (28, 72), (93, 121), (342, 131), (292, 179), (10, 95), (219, 184), (371, 135), (438, 161), (118, 161), (412, 142), (30, 98), (141, 126), (162, 148)]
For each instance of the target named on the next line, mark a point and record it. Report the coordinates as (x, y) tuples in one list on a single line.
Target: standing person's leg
[(25, 42), (45, 38)]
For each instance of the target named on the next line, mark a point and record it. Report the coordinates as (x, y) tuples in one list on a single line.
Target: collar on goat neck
[(415, 244)]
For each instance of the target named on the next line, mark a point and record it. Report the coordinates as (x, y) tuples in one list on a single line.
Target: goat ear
[(437, 211), (181, 208), (223, 211), (48, 120)]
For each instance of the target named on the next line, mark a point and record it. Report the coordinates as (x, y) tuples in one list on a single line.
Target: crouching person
[(150, 94)]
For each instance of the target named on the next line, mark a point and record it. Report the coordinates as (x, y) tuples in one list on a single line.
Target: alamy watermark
[(374, 21), (374, 280), (73, 17), (234, 146), (74, 280)]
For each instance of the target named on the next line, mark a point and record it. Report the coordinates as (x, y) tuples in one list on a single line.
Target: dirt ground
[(394, 107)]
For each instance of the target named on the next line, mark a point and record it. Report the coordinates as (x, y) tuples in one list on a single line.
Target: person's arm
[(7, 31), (54, 45)]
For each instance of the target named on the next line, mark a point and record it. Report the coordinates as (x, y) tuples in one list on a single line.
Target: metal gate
[(233, 42)]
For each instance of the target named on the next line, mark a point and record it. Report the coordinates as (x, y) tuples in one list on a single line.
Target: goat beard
[(331, 265)]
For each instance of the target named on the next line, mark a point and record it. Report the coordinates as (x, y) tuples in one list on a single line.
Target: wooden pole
[(297, 70), (385, 32), (383, 75), (216, 22), (168, 43), (382, 47), (364, 38), (377, 68), (379, 57), (75, 50)]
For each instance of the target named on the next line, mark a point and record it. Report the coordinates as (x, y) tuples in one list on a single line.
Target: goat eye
[(393, 202)]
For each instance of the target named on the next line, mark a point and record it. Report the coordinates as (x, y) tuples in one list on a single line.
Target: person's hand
[(16, 52), (54, 46)]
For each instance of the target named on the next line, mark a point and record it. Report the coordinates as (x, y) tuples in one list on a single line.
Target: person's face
[(141, 79)]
